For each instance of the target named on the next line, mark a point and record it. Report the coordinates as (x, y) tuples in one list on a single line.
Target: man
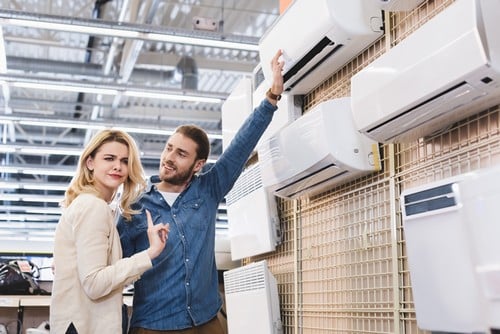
[(180, 293)]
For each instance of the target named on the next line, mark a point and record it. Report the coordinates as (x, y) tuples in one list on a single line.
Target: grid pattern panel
[(347, 262), (343, 267)]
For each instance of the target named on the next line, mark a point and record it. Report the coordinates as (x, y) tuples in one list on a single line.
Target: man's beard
[(179, 178)]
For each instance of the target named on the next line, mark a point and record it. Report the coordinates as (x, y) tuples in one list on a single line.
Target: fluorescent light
[(199, 41), (96, 125), (31, 209), (65, 87), (111, 89), (31, 198), (130, 30), (38, 170), (34, 186), (39, 150), (27, 218), (46, 210), (166, 96)]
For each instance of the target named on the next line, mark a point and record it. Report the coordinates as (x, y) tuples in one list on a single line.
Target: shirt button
[(187, 283), (187, 260)]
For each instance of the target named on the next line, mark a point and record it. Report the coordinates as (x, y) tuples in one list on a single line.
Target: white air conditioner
[(446, 70), (398, 5), (253, 221), (254, 225), (481, 198), (318, 150), (318, 39), (247, 95), (445, 290), (252, 300), (289, 106)]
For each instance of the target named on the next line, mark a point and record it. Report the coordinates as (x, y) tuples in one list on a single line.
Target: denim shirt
[(181, 290)]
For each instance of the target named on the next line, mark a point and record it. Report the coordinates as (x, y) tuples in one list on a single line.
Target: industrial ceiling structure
[(70, 68)]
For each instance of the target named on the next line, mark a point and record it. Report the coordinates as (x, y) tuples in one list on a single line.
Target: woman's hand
[(157, 235)]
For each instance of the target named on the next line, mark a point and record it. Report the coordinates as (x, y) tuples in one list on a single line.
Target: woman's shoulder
[(89, 200)]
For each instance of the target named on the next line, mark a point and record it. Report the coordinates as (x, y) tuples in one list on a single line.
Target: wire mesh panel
[(343, 265), (346, 261)]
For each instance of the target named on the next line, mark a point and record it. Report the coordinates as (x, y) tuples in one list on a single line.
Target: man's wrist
[(272, 96)]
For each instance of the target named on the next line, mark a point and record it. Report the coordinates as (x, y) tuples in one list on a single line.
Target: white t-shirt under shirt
[(169, 197)]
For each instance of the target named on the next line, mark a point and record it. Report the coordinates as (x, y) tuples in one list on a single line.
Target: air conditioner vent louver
[(249, 181), (430, 200), (246, 279)]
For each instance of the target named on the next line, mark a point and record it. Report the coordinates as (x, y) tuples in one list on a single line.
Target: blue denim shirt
[(181, 290)]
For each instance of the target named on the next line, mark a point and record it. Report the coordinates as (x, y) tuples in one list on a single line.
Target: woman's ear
[(90, 164)]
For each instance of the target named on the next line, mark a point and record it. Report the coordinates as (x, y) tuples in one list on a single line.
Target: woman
[(90, 273)]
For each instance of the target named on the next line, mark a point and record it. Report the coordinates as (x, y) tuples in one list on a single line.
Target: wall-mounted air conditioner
[(248, 94), (398, 5), (318, 39), (253, 221), (446, 70), (318, 150), (445, 290), (252, 300), (289, 106), (254, 225)]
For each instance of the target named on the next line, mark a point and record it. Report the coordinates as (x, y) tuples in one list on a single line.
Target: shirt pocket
[(195, 215)]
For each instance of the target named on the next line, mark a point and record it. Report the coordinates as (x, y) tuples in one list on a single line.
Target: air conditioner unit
[(254, 225), (445, 290), (318, 150), (318, 39), (252, 300), (481, 198), (398, 5), (247, 95), (446, 70), (289, 106)]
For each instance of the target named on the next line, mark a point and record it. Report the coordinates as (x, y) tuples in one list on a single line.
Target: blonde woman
[(90, 273)]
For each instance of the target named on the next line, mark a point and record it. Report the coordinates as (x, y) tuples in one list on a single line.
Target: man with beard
[(180, 293)]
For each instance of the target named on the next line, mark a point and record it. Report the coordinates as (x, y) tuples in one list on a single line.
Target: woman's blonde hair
[(83, 181)]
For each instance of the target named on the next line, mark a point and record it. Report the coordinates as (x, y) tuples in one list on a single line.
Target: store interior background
[(342, 266)]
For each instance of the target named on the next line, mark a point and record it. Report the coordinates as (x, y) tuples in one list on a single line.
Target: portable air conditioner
[(446, 70), (398, 5), (252, 300), (481, 197), (318, 39), (254, 225), (318, 150), (445, 289)]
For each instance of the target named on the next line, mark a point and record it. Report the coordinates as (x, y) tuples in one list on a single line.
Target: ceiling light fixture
[(33, 186), (129, 30), (94, 125), (49, 170), (39, 150), (31, 198), (21, 81)]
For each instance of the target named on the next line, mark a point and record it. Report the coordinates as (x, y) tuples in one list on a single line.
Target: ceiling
[(68, 68)]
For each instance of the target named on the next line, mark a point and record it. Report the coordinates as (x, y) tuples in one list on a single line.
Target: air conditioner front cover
[(317, 150), (446, 70), (317, 38)]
